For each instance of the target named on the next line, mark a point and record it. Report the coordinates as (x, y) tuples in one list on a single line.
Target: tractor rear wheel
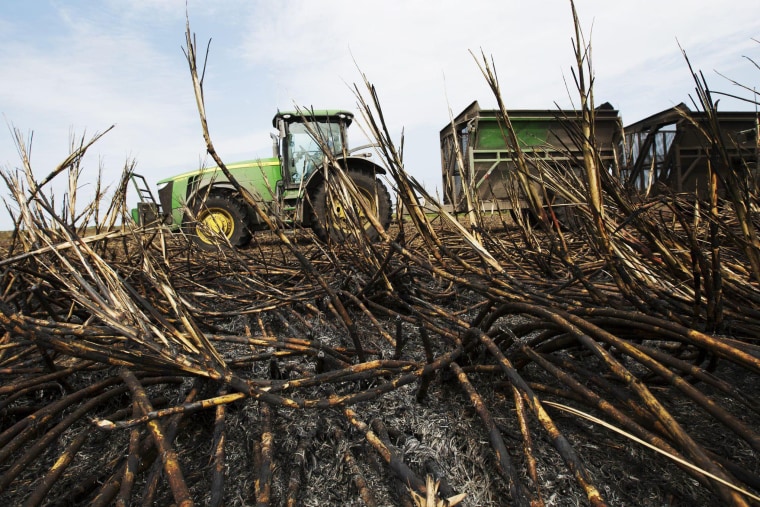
[(331, 219), (219, 215)]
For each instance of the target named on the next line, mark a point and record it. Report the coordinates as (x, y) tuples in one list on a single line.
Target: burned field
[(594, 348), (138, 369)]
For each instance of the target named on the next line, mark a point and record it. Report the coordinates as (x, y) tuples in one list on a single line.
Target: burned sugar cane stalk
[(516, 488), (167, 454)]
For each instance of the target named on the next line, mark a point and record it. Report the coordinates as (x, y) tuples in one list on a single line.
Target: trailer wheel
[(332, 221), (219, 215), (566, 212)]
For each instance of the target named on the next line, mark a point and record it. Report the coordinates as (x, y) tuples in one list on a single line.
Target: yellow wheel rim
[(339, 212), (213, 222)]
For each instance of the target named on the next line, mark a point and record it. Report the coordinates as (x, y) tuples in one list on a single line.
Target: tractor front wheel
[(218, 216)]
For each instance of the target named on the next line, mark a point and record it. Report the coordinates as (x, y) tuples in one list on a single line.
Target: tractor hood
[(235, 165)]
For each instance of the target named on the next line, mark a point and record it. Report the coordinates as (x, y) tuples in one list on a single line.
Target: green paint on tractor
[(291, 186)]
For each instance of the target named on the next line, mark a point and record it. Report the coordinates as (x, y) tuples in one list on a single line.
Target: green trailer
[(488, 168)]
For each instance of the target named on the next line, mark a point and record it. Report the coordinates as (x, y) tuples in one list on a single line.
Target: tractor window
[(306, 151)]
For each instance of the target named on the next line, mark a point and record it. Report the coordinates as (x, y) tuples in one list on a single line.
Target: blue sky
[(74, 68)]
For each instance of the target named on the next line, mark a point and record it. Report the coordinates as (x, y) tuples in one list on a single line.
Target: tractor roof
[(308, 114)]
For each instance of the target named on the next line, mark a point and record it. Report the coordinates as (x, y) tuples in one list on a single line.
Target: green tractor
[(293, 187)]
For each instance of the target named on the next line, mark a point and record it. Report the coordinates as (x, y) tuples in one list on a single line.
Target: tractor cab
[(304, 137)]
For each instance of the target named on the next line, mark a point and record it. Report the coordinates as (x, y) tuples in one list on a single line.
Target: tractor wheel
[(217, 216), (331, 220)]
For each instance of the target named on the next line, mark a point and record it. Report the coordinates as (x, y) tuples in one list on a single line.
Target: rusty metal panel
[(545, 136), (671, 150)]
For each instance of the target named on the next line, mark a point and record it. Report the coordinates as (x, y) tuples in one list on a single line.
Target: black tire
[(528, 217), (332, 224), (569, 217), (566, 212), (219, 214)]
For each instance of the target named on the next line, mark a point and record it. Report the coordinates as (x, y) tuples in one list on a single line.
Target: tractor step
[(148, 210)]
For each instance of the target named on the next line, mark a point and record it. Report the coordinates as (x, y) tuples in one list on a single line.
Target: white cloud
[(86, 67)]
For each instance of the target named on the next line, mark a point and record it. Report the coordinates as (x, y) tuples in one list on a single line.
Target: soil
[(320, 450)]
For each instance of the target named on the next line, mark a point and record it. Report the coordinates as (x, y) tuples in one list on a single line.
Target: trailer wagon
[(488, 159), (671, 150)]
